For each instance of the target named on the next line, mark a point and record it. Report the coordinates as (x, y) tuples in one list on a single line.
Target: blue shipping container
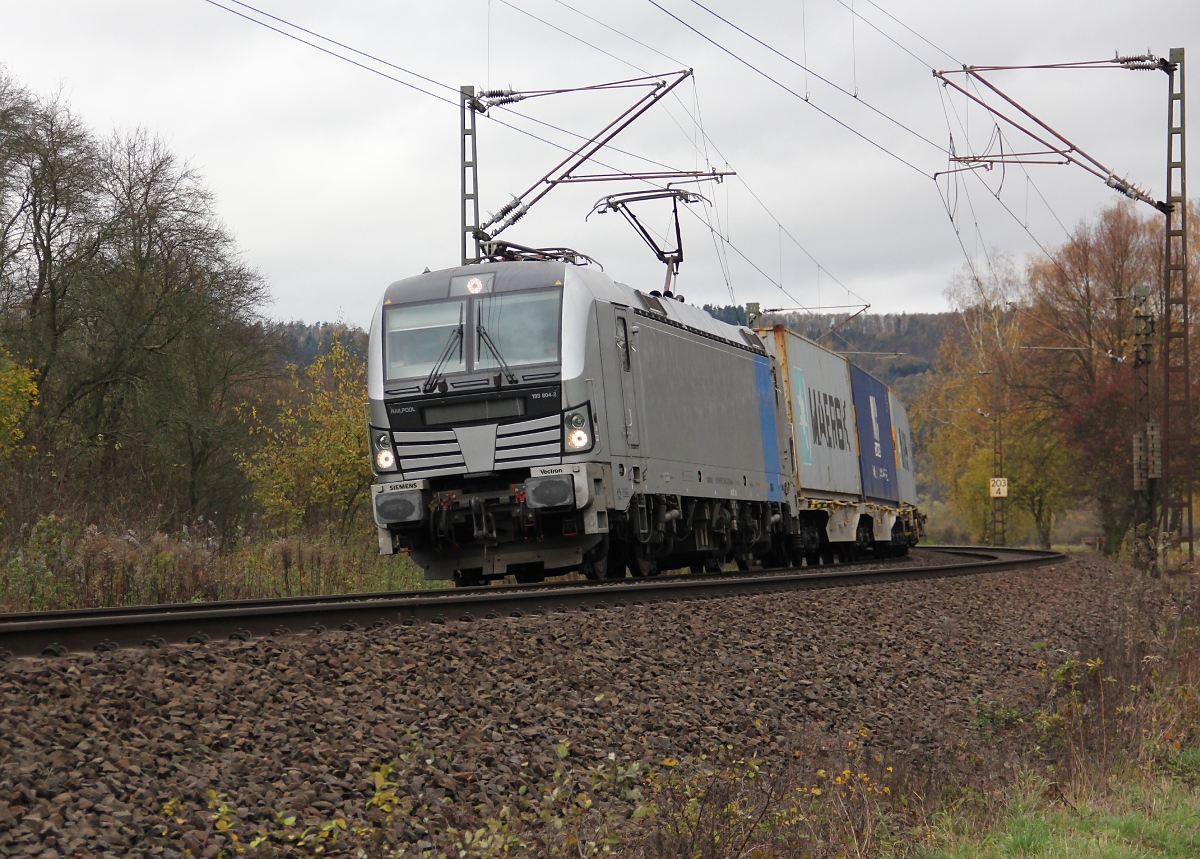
[(876, 449)]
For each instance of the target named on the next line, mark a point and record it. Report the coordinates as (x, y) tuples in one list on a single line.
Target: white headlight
[(385, 459), (578, 439)]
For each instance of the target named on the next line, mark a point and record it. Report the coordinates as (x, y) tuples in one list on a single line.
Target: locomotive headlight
[(385, 456), (578, 439), (577, 430)]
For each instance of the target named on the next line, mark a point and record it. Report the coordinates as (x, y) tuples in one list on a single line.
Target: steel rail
[(59, 632)]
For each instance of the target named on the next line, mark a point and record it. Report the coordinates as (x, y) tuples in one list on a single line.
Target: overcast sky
[(337, 181)]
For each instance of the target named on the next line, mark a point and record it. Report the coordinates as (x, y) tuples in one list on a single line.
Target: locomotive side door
[(625, 363)]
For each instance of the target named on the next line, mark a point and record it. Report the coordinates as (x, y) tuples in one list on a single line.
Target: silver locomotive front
[(481, 422)]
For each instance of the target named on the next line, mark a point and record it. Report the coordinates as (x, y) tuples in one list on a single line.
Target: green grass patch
[(1133, 817)]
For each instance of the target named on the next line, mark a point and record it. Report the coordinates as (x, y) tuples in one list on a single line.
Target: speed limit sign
[(999, 486)]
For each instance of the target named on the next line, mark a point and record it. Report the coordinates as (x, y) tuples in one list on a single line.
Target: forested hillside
[(897, 348)]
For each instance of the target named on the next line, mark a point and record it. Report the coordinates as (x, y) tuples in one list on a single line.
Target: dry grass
[(61, 565)]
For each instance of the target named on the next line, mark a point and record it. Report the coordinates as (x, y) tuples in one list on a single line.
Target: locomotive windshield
[(523, 325), (416, 335), (523, 328)]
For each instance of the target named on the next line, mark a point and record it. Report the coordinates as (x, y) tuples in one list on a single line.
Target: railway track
[(57, 633)]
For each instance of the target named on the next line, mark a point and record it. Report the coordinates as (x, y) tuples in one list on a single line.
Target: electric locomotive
[(534, 417)]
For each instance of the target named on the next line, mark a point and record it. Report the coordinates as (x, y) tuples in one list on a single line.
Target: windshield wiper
[(455, 339), (487, 341)]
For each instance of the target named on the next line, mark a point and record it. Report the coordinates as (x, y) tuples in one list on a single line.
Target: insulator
[(1144, 62), (500, 215), (520, 212), (1154, 450), (1139, 463)]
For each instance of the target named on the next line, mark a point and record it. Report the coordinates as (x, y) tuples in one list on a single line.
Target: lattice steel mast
[(1176, 490), (469, 239)]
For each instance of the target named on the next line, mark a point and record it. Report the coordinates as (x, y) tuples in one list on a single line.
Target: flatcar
[(533, 417)]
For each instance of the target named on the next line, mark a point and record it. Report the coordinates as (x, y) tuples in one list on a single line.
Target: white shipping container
[(821, 411)]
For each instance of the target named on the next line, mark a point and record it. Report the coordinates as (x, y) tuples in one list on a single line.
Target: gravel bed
[(92, 748)]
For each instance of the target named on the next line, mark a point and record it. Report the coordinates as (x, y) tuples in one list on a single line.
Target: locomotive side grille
[(429, 454), (532, 442), (435, 453)]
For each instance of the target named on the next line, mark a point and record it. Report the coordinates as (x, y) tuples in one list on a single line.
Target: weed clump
[(63, 565)]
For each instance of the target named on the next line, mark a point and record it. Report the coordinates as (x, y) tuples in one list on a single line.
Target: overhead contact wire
[(620, 33), (612, 56), (789, 90), (962, 127), (885, 35), (720, 240), (914, 32), (928, 65), (807, 70), (452, 102)]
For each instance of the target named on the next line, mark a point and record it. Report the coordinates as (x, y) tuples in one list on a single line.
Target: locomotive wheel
[(601, 563), (595, 561), (641, 563), (471, 578), (529, 577), (616, 560)]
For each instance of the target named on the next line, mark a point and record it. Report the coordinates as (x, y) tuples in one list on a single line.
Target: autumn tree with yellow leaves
[(310, 469), (1046, 351)]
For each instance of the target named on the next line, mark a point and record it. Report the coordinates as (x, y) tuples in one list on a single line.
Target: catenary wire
[(823, 80), (391, 65), (608, 54), (963, 127), (885, 35), (1013, 214), (755, 266), (914, 32), (717, 232), (620, 33), (570, 35), (384, 74), (724, 239), (789, 90), (926, 64)]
